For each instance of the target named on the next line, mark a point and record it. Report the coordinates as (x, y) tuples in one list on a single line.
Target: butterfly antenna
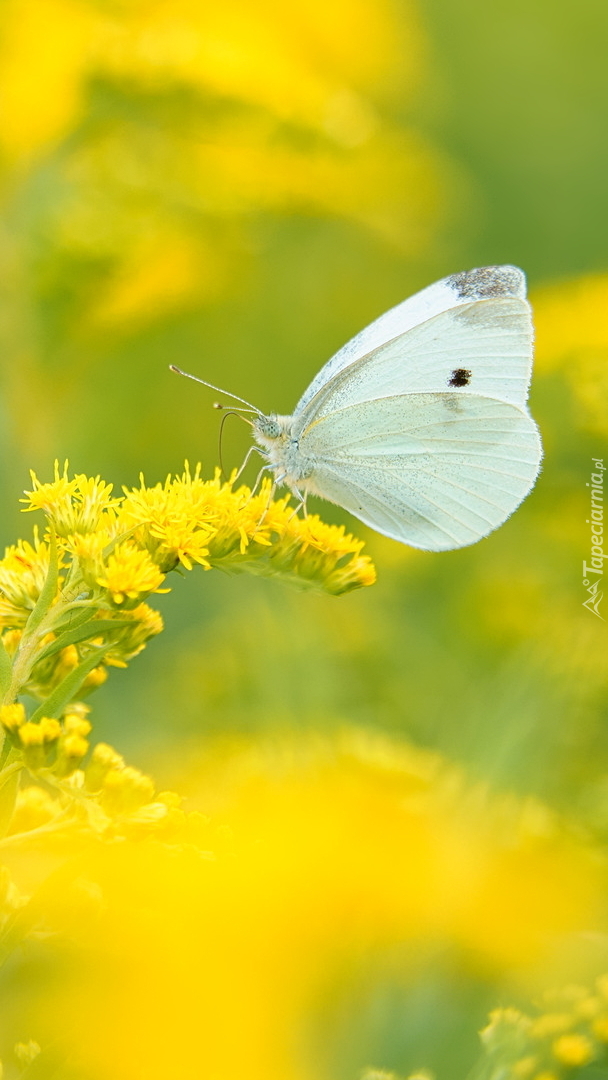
[(203, 382)]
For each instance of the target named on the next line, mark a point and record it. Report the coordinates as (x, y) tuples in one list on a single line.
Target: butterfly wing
[(436, 471), (459, 290), (481, 348)]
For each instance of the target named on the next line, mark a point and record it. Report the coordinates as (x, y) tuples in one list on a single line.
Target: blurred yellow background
[(239, 188)]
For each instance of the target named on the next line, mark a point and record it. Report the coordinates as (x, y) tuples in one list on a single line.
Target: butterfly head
[(272, 431)]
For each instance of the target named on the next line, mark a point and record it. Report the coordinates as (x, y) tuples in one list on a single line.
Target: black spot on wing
[(487, 282), (459, 377)]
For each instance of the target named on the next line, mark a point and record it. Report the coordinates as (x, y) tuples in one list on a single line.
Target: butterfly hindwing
[(435, 471)]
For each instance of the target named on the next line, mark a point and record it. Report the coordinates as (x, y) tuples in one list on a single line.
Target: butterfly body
[(274, 434)]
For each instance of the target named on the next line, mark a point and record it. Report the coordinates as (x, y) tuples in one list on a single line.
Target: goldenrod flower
[(126, 545), (73, 748), (95, 678), (521, 1047), (90, 549), (143, 623), (38, 741), (103, 759), (45, 731), (55, 498), (126, 789), (74, 506), (573, 1050), (550, 1024), (11, 640), (23, 571), (34, 807), (504, 1025), (93, 499), (174, 520), (12, 716), (130, 574), (76, 724)]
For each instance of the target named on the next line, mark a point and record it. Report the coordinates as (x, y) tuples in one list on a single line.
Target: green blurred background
[(239, 191)]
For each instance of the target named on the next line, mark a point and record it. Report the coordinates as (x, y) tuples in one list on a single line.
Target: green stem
[(26, 657)]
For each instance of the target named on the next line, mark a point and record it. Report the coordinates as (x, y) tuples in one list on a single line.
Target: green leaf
[(81, 633), (75, 618), (48, 591), (68, 687), (6, 671)]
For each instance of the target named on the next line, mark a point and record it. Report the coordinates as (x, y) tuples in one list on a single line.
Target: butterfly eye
[(460, 377), (268, 427)]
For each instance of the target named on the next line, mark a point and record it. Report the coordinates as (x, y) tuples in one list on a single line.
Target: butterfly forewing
[(489, 282), (483, 348)]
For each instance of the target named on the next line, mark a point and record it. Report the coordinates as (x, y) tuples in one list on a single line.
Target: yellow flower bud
[(103, 758), (95, 678), (573, 1050), (74, 747), (73, 724), (125, 790), (12, 716), (34, 807), (11, 640), (31, 735), (51, 729), (38, 741)]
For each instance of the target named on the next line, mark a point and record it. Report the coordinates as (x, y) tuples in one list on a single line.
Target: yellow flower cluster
[(73, 602), (126, 545), (106, 798), (48, 743), (569, 1031)]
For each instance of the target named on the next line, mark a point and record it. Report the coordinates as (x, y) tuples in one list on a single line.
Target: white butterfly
[(419, 425)]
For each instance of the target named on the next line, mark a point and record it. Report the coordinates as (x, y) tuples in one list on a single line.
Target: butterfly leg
[(245, 461), (302, 502), (271, 493)]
